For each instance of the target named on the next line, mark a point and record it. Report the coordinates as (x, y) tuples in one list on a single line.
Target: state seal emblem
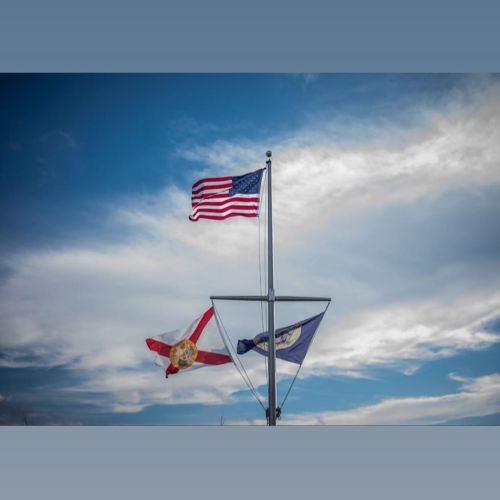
[(283, 340), (183, 354)]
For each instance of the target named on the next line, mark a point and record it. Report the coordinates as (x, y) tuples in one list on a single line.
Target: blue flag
[(292, 342)]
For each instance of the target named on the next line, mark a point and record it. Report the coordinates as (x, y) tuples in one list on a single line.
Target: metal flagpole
[(270, 299)]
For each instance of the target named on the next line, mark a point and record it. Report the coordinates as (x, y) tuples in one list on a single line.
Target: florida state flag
[(189, 348)]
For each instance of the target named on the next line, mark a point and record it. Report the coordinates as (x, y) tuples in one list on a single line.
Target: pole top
[(269, 154)]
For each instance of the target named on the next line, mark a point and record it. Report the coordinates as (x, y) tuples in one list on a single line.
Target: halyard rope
[(229, 347)]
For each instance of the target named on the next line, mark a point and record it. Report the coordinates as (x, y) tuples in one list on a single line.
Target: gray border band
[(237, 35), (224, 36), (250, 462)]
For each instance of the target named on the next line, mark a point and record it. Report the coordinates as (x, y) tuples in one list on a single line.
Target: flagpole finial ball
[(269, 154)]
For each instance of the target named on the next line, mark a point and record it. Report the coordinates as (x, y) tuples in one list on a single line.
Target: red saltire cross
[(174, 352)]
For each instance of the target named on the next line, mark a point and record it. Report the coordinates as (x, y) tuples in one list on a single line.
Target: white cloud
[(90, 307), (456, 377), (478, 397), (319, 175), (404, 335), (133, 390)]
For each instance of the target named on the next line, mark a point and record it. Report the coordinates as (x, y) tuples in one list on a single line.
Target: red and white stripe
[(210, 200)]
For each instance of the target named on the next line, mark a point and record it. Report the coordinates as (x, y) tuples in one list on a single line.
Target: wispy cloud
[(89, 307), (58, 138), (305, 80), (478, 397), (405, 335), (336, 168)]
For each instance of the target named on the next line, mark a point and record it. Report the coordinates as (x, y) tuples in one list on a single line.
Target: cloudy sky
[(386, 198)]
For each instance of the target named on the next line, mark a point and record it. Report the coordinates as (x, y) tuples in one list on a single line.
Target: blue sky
[(387, 198)]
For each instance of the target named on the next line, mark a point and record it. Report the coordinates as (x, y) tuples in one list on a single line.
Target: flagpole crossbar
[(292, 298), (265, 298)]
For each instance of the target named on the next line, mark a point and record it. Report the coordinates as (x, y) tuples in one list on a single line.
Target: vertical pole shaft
[(270, 298)]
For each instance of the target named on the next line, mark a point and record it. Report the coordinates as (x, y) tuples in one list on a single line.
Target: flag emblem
[(285, 340), (218, 198), (183, 354), (196, 346), (292, 342)]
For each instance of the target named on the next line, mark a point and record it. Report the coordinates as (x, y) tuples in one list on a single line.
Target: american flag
[(219, 198)]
